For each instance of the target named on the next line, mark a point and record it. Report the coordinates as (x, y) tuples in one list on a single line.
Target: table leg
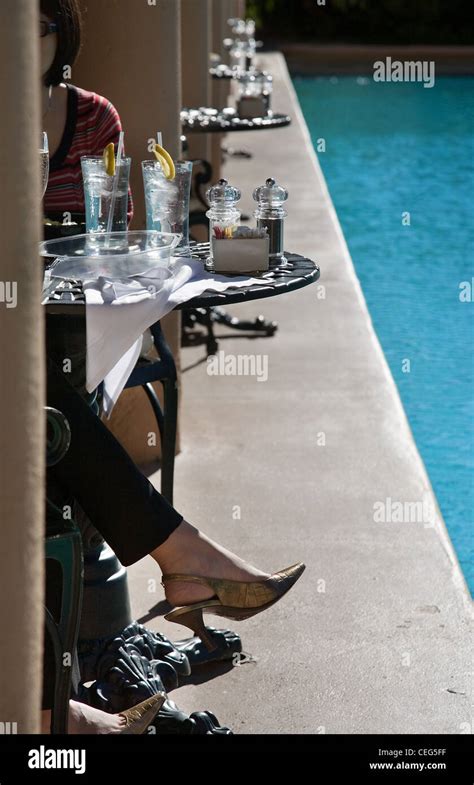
[(207, 317), (259, 324), (124, 660), (237, 152)]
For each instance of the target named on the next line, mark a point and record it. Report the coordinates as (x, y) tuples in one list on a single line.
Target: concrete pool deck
[(375, 637)]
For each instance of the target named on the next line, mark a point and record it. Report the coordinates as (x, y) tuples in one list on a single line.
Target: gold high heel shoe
[(233, 599), (139, 717)]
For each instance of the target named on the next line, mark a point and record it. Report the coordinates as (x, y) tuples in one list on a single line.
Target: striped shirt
[(92, 122)]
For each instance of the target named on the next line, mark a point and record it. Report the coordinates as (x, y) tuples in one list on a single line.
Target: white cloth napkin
[(118, 312)]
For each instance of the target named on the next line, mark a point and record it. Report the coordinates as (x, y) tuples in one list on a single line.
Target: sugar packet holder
[(244, 250)]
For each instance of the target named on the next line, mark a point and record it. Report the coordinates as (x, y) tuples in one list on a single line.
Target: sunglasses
[(46, 28)]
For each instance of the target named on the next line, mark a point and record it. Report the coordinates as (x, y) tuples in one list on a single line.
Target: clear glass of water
[(98, 187), (167, 201), (44, 159)]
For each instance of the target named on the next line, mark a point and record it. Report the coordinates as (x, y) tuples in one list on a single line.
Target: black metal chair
[(63, 544), (162, 370)]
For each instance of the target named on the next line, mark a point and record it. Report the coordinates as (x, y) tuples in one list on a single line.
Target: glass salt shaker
[(270, 215), (223, 213)]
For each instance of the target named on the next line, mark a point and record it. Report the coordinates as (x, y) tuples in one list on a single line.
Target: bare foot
[(188, 551), (86, 719)]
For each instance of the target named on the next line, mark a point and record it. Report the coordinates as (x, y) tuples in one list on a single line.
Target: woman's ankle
[(170, 556)]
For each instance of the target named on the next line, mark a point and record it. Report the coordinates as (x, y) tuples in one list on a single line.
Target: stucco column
[(21, 366), (196, 37), (222, 10), (196, 28), (132, 55)]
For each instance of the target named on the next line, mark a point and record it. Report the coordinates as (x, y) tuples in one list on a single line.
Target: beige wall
[(132, 55), (21, 368)]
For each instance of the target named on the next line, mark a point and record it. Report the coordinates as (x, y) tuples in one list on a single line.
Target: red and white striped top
[(92, 123)]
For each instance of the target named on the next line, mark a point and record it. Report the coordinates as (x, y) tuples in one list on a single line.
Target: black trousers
[(130, 514)]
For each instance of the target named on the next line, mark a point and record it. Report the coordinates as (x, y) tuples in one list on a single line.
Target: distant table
[(208, 121), (221, 72)]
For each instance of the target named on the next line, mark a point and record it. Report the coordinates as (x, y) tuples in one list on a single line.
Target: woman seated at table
[(77, 122), (198, 574)]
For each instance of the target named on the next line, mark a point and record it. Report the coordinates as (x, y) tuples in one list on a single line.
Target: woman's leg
[(189, 551), (125, 508)]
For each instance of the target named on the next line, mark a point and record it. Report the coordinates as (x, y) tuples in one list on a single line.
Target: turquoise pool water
[(401, 148)]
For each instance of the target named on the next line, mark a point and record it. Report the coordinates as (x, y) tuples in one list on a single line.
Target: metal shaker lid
[(270, 194), (222, 193)]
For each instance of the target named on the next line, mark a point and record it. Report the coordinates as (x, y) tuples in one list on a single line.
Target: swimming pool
[(399, 163)]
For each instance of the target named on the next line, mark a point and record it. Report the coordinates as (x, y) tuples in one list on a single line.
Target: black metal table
[(207, 309), (67, 298), (211, 121), (297, 273)]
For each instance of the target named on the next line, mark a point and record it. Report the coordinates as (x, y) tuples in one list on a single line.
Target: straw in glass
[(113, 199)]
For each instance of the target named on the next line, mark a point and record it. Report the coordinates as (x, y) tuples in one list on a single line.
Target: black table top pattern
[(66, 296)]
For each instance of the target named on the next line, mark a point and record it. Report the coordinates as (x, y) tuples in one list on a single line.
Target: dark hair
[(67, 15)]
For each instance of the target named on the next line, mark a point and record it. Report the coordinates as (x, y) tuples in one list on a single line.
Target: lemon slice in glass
[(163, 157), (109, 159)]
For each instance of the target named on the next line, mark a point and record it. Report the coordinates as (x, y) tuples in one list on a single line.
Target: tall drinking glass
[(167, 201), (44, 158), (98, 188)]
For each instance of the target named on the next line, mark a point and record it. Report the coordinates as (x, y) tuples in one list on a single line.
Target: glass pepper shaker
[(223, 213), (270, 215), (266, 85)]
